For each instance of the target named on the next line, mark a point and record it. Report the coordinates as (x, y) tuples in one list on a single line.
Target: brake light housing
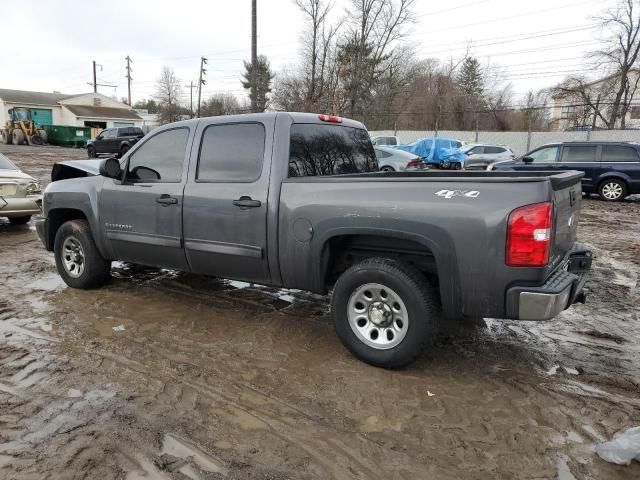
[(529, 230), (330, 118), (414, 164)]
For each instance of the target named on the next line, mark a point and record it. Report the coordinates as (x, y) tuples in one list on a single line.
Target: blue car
[(611, 169)]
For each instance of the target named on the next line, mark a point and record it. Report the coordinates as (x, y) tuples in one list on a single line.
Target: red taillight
[(414, 163), (529, 235), (330, 118)]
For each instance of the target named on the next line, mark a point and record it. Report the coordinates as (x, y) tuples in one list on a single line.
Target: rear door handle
[(247, 202), (166, 200)]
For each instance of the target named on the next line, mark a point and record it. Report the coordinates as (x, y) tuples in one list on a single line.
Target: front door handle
[(166, 200), (245, 202)]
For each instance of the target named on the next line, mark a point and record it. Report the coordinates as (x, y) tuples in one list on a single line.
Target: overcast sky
[(54, 42)]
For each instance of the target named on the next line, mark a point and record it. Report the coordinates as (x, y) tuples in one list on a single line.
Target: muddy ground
[(164, 375)]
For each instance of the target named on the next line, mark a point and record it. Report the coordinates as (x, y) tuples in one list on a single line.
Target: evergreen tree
[(470, 78), (264, 77)]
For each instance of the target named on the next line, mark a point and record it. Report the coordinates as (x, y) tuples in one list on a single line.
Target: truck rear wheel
[(384, 312), (78, 260)]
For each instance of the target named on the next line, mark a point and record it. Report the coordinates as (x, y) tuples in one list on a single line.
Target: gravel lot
[(209, 379)]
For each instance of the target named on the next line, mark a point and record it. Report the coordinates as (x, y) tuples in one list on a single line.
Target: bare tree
[(610, 99), (317, 49), (220, 104), (168, 92), (366, 54)]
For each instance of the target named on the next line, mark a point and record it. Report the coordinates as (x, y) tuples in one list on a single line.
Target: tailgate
[(567, 197)]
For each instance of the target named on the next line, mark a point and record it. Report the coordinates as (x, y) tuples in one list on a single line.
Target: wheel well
[(612, 177), (59, 216), (342, 252)]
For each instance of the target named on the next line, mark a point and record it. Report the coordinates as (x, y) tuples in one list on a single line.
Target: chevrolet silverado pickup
[(296, 200)]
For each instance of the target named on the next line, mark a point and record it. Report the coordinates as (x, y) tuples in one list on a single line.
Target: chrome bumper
[(561, 290)]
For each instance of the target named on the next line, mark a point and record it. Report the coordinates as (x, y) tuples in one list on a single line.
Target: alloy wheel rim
[(73, 257), (612, 190), (378, 316)]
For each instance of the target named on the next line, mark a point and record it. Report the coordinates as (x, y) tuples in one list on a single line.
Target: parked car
[(479, 155), (296, 200), (114, 141), (436, 152), (392, 160), (385, 140), (20, 194), (611, 169)]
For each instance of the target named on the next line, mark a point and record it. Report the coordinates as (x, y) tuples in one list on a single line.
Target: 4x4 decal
[(449, 194)]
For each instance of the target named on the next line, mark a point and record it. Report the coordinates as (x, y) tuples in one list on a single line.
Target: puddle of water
[(180, 448)]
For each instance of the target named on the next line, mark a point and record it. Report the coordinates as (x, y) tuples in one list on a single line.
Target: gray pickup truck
[(296, 200)]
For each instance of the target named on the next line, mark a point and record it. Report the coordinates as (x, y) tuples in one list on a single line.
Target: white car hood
[(14, 175)]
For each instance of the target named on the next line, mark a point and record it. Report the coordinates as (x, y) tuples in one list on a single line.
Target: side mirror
[(110, 168), (527, 160)]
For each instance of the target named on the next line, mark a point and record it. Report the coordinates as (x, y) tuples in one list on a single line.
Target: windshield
[(5, 164), (21, 114)]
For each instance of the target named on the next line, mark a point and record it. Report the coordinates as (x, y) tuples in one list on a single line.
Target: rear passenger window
[(231, 152), (579, 154), (614, 153), (494, 150), (317, 150)]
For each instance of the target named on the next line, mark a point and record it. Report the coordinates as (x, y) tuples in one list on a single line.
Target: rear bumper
[(561, 290)]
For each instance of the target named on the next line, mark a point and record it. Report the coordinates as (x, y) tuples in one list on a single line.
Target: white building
[(571, 111), (84, 110)]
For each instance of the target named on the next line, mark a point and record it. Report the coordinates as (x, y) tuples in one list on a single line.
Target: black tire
[(91, 152), (19, 220), (417, 295), (124, 150), (96, 271), (387, 169), (613, 190)]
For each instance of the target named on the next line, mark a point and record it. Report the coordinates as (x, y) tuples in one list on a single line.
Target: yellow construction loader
[(21, 129)]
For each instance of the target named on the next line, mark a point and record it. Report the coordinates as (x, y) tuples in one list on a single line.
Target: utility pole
[(191, 98), (254, 56), (202, 81), (129, 61), (95, 78)]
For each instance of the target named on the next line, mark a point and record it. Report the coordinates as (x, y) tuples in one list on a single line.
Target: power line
[(499, 19)]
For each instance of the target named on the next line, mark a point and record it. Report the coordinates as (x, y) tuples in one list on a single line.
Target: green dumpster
[(67, 135)]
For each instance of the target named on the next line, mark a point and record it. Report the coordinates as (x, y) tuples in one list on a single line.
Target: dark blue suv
[(611, 169)]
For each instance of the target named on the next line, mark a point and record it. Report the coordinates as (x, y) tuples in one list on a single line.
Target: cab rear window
[(318, 150)]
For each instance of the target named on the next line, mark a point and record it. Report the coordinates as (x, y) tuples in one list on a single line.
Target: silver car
[(392, 160), (20, 194), (479, 155)]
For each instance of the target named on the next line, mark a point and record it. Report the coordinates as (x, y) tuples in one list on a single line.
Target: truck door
[(142, 216), (225, 200)]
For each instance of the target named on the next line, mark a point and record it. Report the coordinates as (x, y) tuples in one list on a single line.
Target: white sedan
[(20, 194), (392, 160)]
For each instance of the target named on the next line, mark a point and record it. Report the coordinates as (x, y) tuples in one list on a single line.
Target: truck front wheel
[(78, 260), (385, 312)]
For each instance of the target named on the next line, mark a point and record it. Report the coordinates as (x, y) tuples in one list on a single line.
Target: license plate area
[(8, 189)]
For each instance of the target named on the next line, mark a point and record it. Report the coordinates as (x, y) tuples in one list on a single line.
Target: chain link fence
[(520, 142)]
